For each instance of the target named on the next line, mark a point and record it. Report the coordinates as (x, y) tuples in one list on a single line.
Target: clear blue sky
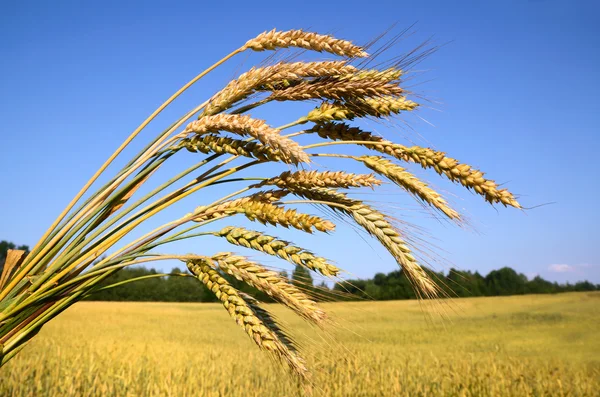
[(516, 93)]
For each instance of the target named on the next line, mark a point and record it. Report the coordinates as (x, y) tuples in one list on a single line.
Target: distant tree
[(585, 286), (302, 278), (540, 286), (464, 283), (505, 281), (165, 289)]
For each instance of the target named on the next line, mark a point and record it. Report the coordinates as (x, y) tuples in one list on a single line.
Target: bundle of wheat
[(72, 258)]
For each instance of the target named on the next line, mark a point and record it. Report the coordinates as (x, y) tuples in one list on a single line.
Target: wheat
[(290, 74), (389, 75), (337, 89), (257, 79), (269, 321), (221, 145), (376, 224), (427, 158), (282, 249), (271, 283), (382, 106), (258, 209), (309, 179), (245, 125), (329, 196), (79, 250), (299, 38), (328, 112), (375, 107), (463, 173), (343, 132), (409, 182), (245, 316)]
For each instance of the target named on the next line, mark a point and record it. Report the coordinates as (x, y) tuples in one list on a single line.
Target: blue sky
[(513, 92)]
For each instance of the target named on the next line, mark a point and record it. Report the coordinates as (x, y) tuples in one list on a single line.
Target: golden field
[(503, 346)]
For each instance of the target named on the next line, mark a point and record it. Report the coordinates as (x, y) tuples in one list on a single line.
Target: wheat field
[(503, 346)]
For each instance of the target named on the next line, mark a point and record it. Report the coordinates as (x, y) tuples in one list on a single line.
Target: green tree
[(505, 281), (302, 278)]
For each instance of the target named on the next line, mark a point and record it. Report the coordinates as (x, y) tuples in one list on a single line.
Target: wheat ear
[(269, 321), (280, 248), (427, 158), (257, 209), (463, 173), (274, 39), (409, 182), (337, 89), (376, 224), (222, 145), (388, 75), (280, 74), (271, 283), (246, 317), (309, 179), (376, 107), (247, 126)]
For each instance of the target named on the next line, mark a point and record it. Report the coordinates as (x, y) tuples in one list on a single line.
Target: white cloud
[(561, 268), (532, 275)]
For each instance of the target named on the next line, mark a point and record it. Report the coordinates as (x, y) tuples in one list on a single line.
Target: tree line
[(501, 282), (390, 286)]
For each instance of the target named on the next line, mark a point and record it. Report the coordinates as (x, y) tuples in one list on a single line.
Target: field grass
[(513, 346)]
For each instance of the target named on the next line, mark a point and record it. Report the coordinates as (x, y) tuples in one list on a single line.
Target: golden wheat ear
[(246, 126), (265, 213), (309, 179), (280, 248), (272, 284), (224, 145), (376, 224), (410, 183), (464, 174), (270, 78), (247, 316), (308, 40)]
